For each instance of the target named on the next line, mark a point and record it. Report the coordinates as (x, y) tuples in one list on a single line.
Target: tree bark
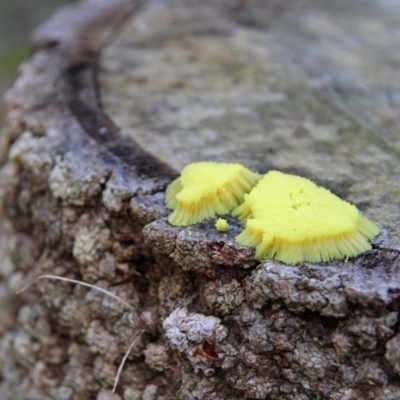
[(116, 99)]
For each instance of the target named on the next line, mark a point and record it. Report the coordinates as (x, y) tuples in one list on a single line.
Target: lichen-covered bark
[(81, 199), (68, 196)]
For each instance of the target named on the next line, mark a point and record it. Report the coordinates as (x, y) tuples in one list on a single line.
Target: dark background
[(17, 20)]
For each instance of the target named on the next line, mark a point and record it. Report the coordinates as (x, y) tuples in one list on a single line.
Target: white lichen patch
[(195, 336)]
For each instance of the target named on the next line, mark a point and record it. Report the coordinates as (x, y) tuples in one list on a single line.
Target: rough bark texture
[(307, 87)]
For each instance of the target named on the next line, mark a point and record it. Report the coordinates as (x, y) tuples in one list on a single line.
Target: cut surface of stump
[(116, 99)]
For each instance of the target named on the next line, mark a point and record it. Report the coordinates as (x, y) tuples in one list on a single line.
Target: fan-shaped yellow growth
[(291, 219), (222, 225), (206, 189)]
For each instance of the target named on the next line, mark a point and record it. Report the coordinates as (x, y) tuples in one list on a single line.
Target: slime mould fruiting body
[(222, 225), (291, 219), (207, 189), (286, 217)]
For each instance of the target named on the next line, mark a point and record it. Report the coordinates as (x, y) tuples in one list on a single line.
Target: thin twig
[(121, 366), (60, 278)]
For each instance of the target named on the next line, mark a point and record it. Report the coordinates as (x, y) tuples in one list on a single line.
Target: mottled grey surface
[(298, 86), (312, 92)]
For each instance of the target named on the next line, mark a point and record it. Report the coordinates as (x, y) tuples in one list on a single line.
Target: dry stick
[(60, 278), (106, 292), (121, 365)]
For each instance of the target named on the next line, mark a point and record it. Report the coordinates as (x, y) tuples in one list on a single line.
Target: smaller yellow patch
[(291, 219), (222, 225), (207, 189)]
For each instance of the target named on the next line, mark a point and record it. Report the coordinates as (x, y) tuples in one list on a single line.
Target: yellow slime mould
[(207, 189), (293, 220), (222, 225)]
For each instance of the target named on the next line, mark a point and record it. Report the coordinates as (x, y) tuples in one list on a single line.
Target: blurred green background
[(17, 20)]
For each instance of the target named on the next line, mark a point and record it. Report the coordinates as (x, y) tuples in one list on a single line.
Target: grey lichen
[(76, 183), (195, 335)]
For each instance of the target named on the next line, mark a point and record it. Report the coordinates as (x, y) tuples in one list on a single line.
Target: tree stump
[(115, 100)]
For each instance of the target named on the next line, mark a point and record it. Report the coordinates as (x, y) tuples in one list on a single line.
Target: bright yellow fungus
[(222, 225), (293, 220), (207, 189)]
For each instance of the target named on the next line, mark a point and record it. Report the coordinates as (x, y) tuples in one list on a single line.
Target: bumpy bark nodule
[(81, 199)]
